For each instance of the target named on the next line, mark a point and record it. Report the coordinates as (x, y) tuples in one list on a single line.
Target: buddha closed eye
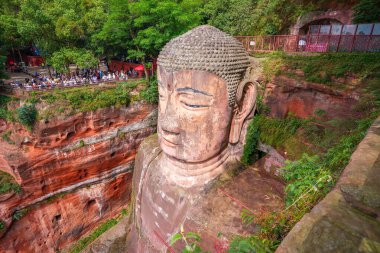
[(193, 99)]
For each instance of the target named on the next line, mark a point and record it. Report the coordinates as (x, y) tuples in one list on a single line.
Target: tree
[(55, 25), (61, 59), (367, 11), (115, 35), (256, 17), (155, 22)]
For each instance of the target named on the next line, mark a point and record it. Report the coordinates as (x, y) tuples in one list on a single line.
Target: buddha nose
[(170, 119)]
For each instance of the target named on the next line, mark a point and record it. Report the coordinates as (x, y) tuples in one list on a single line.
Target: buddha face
[(194, 116)]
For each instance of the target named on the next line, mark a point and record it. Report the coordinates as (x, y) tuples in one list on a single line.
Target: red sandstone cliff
[(74, 173)]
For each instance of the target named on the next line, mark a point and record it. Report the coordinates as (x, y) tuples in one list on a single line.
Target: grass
[(69, 101), (324, 68), (7, 183), (84, 242)]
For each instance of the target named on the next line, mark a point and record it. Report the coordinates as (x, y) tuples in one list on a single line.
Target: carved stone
[(206, 102)]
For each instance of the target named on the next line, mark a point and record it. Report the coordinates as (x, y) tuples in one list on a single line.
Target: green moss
[(6, 137), (7, 183), (19, 214), (2, 225)]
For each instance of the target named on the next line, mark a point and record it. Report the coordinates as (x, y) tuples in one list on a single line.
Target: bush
[(252, 140), (7, 183), (150, 94), (19, 214), (4, 112), (27, 115), (367, 11), (251, 244)]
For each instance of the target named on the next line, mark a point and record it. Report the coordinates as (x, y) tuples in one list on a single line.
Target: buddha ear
[(245, 103)]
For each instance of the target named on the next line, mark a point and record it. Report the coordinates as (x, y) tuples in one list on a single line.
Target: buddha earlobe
[(245, 103)]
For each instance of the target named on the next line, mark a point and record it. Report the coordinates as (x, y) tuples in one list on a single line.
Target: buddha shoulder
[(149, 149)]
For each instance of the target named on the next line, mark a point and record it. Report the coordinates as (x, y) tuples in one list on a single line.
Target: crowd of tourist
[(79, 77)]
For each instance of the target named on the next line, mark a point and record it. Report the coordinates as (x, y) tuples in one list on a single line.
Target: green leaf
[(193, 235), (175, 238)]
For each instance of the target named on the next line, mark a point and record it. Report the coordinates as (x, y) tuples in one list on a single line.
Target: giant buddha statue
[(205, 103)]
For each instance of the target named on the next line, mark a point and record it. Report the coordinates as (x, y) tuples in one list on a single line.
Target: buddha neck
[(189, 175)]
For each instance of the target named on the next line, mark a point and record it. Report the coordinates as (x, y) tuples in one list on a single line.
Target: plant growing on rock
[(190, 239), (27, 115), (7, 183)]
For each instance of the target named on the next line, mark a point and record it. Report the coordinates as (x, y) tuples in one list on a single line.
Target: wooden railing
[(311, 43)]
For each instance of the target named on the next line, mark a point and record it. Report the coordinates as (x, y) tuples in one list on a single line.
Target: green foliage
[(83, 99), (155, 22), (19, 214), (190, 239), (150, 93), (61, 59), (306, 177), (115, 35), (6, 137), (325, 68), (7, 183), (247, 217), (252, 140), (82, 243), (250, 244), (255, 17), (27, 115), (275, 132), (367, 11), (2, 225), (4, 112)]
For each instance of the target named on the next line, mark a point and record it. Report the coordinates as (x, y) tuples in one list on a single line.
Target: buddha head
[(204, 95)]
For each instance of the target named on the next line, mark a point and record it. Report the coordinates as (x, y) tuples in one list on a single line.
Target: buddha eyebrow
[(188, 89)]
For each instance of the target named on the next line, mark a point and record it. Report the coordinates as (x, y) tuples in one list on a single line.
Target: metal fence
[(312, 43), (320, 38)]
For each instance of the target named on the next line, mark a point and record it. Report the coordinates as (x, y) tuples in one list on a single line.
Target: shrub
[(4, 112), (251, 244), (6, 137), (252, 140), (27, 115), (150, 94), (7, 183), (19, 214)]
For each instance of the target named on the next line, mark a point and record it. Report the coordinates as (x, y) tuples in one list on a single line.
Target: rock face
[(348, 218), (285, 95), (74, 173)]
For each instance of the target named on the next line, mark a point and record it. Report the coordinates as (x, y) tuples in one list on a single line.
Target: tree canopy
[(79, 31)]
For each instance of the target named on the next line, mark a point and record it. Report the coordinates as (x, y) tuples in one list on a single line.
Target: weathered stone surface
[(68, 155), (287, 95), (52, 225), (218, 213), (113, 241), (347, 219)]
